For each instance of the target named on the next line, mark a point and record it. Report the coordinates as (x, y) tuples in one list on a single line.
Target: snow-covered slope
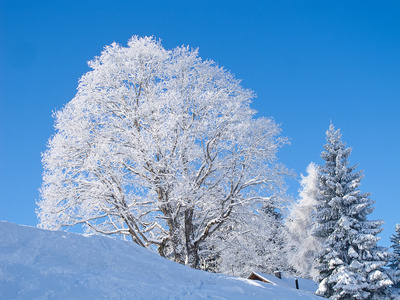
[(41, 264), (304, 284)]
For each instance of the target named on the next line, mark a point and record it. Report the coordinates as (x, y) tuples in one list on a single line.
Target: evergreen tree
[(395, 261), (303, 244), (350, 264)]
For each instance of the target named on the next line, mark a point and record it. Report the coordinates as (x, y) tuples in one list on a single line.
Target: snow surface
[(304, 284), (42, 264)]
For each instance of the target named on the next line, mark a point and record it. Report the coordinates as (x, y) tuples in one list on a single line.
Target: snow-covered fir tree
[(350, 264), (395, 260), (303, 244)]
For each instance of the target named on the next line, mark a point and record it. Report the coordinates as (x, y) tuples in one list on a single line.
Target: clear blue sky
[(310, 62)]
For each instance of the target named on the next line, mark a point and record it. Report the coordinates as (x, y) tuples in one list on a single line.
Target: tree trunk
[(177, 242), (191, 247), (192, 255)]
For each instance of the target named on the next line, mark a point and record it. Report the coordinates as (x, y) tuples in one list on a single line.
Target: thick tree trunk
[(192, 255), (192, 248), (178, 246), (175, 235), (177, 242)]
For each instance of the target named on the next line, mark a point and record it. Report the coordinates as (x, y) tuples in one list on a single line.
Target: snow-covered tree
[(262, 246), (300, 223), (350, 264), (160, 146), (395, 260)]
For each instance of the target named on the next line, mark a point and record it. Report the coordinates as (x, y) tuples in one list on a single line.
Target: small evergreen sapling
[(395, 261)]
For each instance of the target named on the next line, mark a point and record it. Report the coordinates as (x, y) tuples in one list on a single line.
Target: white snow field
[(304, 284), (42, 264)]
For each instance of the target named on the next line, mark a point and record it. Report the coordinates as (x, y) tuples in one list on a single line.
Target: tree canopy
[(160, 146)]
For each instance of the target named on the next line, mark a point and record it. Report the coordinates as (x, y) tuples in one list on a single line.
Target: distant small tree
[(300, 223), (350, 263), (395, 260), (159, 146)]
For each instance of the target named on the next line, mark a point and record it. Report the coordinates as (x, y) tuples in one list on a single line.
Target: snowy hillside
[(41, 264)]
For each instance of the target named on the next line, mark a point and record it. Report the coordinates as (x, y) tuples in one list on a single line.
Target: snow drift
[(42, 264)]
